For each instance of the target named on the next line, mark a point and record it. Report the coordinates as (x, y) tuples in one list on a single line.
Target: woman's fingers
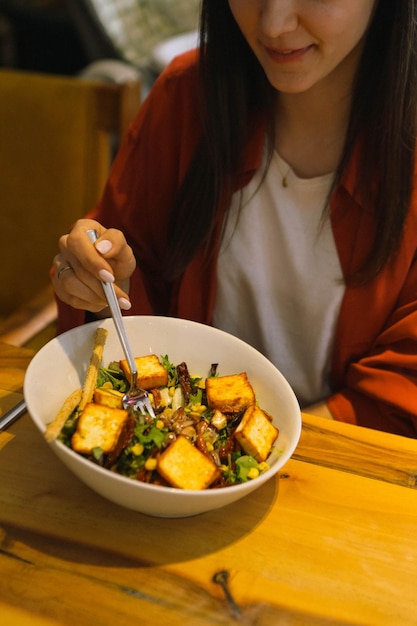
[(114, 254), (80, 267), (75, 286), (112, 247)]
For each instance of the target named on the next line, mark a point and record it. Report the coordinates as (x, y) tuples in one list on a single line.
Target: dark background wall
[(38, 35)]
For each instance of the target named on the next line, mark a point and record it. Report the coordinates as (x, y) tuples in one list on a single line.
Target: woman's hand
[(80, 267)]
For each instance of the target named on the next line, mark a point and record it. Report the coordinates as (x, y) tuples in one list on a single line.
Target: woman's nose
[(278, 17)]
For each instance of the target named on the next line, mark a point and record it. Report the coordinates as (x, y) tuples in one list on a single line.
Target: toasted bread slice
[(230, 394), (108, 397), (151, 373), (182, 465), (256, 434), (99, 426)]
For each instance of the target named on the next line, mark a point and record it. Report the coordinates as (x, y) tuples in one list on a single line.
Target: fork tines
[(144, 405)]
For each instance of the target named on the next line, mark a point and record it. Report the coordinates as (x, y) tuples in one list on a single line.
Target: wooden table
[(333, 540)]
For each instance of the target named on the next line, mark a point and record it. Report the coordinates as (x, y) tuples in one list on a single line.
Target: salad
[(208, 432)]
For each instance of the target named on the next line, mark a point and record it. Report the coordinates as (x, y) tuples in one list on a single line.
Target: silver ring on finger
[(64, 269)]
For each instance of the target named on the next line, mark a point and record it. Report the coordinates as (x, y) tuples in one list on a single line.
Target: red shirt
[(374, 366)]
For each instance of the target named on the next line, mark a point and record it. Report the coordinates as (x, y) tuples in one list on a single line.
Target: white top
[(280, 282)]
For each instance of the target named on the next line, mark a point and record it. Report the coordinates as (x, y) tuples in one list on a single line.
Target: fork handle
[(116, 314)]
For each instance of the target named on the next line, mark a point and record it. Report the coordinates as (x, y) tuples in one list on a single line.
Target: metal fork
[(136, 397)]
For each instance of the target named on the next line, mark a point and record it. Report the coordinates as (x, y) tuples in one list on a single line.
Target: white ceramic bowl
[(60, 367)]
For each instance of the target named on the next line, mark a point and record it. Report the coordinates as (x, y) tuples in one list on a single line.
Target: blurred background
[(73, 74), (39, 35), (65, 36)]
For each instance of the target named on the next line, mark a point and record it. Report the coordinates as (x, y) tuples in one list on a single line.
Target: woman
[(267, 188)]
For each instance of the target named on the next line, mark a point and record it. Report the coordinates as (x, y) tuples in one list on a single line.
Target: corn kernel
[(168, 413), (171, 391), (107, 385), (150, 464), (137, 449), (253, 472), (198, 408), (159, 424), (209, 446), (262, 467)]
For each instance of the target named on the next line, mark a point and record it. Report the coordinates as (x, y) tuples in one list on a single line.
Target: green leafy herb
[(69, 428), (149, 435), (171, 369), (197, 397), (243, 466), (114, 375), (97, 453)]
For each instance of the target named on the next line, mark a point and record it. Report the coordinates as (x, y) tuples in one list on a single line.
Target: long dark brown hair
[(234, 92)]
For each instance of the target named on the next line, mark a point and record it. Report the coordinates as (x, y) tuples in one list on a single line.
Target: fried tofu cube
[(151, 373), (256, 433), (108, 397), (99, 426), (230, 394), (183, 466)]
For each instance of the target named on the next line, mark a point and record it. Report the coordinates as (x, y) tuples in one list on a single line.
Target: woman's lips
[(283, 55)]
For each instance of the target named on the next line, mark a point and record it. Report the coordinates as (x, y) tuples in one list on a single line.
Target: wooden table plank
[(8, 399), (315, 546), (363, 451), (15, 616), (318, 546), (13, 365)]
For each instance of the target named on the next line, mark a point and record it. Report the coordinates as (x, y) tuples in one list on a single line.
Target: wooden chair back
[(56, 140)]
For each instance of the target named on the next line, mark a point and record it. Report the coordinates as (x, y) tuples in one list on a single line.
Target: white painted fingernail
[(106, 276), (124, 304), (104, 246)]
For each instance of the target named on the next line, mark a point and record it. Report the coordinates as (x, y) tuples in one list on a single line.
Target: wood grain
[(13, 365), (315, 546), (359, 450)]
